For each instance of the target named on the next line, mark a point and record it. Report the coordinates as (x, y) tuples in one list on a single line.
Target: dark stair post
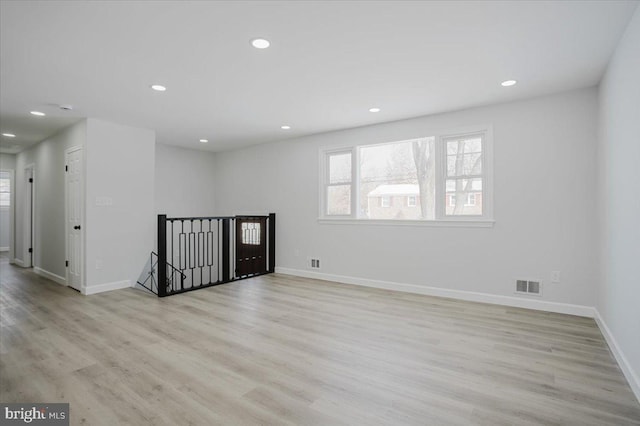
[(162, 255), (226, 250), (272, 242)]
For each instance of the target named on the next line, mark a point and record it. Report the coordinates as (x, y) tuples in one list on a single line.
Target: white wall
[(544, 156), (119, 237), (619, 198), (7, 161), (48, 158), (184, 183)]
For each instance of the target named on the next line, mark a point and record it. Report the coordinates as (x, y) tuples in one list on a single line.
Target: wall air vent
[(534, 287), (530, 287), (521, 286)]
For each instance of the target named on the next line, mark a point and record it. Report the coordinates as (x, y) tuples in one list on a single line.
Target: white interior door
[(74, 196)]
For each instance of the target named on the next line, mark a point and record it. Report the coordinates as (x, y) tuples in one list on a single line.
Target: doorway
[(251, 246), (74, 197)]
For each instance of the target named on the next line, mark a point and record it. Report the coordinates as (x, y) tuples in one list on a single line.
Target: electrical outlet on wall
[(555, 276), (99, 264)]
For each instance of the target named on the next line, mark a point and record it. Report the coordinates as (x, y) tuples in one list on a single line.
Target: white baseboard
[(4, 249), (101, 288), (627, 370), (18, 262), (539, 305), (50, 275)]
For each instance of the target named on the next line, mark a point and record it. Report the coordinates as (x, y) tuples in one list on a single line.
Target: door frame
[(29, 222), (66, 217)]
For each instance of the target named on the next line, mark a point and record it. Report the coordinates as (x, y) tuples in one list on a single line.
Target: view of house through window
[(418, 179), (397, 180)]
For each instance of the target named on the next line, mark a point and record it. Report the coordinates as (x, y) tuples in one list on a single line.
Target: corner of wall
[(623, 362)]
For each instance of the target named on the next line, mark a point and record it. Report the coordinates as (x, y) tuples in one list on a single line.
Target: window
[(5, 189), (469, 201), (464, 174), (443, 177), (251, 233), (390, 170), (338, 184)]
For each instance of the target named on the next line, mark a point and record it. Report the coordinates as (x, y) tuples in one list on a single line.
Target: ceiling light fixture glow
[(285, 127), (204, 140), (374, 109), (38, 113), (158, 87), (260, 43), (9, 135), (508, 83)]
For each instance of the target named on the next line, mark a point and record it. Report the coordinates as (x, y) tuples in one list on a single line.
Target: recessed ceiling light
[(374, 109), (260, 43), (158, 87), (285, 127), (508, 83), (38, 113), (9, 135), (204, 140)]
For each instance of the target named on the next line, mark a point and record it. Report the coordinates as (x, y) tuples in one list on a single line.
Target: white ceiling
[(329, 62)]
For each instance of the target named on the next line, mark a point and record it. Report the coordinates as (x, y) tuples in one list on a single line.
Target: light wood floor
[(283, 350)]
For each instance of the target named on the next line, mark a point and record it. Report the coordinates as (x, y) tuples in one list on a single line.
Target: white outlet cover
[(555, 276)]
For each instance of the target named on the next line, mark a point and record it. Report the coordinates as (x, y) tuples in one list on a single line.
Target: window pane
[(339, 200), (464, 156), (251, 233), (5, 199), (5, 185), (463, 197), (340, 168), (392, 175)]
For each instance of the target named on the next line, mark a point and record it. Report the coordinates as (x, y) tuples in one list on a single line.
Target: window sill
[(465, 223)]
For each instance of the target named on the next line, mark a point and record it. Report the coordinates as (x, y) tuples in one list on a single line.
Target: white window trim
[(463, 223), (441, 219)]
